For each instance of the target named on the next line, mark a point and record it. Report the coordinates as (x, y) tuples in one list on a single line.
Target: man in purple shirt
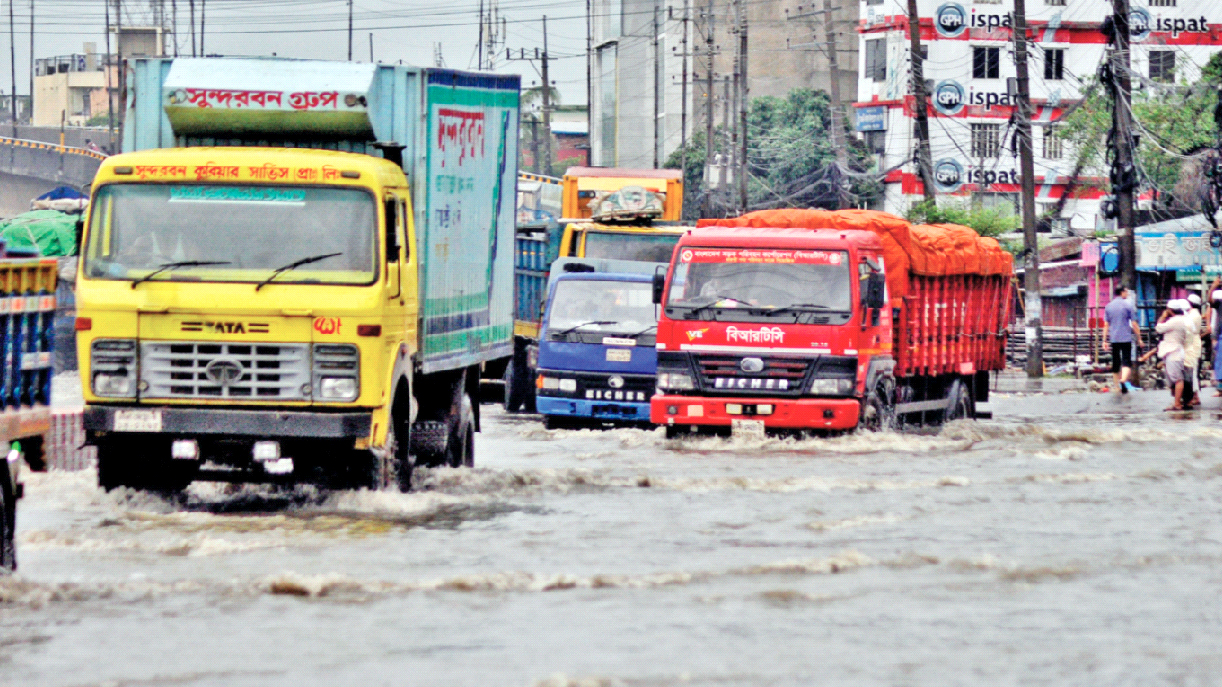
[(1121, 330)]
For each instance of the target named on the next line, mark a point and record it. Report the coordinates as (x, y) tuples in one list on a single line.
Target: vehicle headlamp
[(677, 381), (831, 387)]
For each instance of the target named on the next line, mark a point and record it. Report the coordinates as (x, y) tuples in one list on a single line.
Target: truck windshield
[(136, 229), (630, 246), (619, 307), (761, 280)]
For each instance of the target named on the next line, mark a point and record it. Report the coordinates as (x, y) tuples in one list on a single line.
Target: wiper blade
[(652, 326), (175, 265), (294, 265), (717, 299), (575, 327), (798, 307)]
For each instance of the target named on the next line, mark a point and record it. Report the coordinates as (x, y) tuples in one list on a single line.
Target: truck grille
[(636, 389), (180, 369), (785, 376)]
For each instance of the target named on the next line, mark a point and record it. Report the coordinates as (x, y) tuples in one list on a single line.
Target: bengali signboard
[(1175, 250)]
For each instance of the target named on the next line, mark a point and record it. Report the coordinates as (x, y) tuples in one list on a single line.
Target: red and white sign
[(772, 257)]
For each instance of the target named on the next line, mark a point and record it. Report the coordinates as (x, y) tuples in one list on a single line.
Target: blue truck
[(597, 358)]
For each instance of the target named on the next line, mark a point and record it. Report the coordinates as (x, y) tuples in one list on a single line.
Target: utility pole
[(12, 44), (479, 48), (657, 89), (349, 30), (725, 131), (203, 27), (547, 106), (1031, 277), (110, 91), (1124, 176), (683, 98), (31, 61), (744, 107), (708, 113), (194, 49), (371, 47), (174, 24), (839, 131), (590, 80), (924, 157)]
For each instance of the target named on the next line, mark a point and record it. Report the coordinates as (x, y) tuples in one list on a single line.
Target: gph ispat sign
[(779, 257)]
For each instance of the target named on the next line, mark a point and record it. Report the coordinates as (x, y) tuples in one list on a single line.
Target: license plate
[(137, 421), (619, 355), (747, 427)]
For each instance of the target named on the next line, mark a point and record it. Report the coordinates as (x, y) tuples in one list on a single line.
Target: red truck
[(821, 320)]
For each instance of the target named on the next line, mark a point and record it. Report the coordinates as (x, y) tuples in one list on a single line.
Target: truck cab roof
[(303, 165), (605, 276)]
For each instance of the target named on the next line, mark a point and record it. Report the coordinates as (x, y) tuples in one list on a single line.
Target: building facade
[(639, 49), (969, 69), (69, 89)]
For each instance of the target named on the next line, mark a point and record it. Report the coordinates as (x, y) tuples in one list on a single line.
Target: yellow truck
[(610, 215), (295, 271)]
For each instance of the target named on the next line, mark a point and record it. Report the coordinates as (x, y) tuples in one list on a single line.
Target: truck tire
[(8, 524), (429, 439), (113, 471), (119, 467), (513, 399), (393, 465), (878, 408), (519, 382), (460, 449), (959, 403)]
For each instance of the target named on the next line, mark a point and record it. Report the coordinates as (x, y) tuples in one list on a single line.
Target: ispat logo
[(1142, 24), (948, 175), (950, 20), (948, 97)]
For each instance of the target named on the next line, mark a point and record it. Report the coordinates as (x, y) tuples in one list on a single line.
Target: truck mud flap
[(429, 437)]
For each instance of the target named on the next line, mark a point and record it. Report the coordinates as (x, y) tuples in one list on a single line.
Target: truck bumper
[(796, 413), (601, 410), (270, 424)]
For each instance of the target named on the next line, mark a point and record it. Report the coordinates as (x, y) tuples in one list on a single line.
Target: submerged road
[(1073, 539)]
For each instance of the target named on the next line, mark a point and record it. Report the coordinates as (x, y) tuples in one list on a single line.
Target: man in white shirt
[(1173, 325), (1192, 353)]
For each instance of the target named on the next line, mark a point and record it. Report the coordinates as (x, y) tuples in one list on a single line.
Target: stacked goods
[(951, 288)]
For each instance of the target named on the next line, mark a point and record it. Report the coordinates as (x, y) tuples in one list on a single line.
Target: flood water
[(1075, 539)]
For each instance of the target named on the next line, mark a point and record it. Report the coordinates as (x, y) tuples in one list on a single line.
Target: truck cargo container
[(295, 271), (818, 320), (641, 230), (27, 334)]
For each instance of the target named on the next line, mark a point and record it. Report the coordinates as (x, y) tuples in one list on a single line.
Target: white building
[(970, 70)]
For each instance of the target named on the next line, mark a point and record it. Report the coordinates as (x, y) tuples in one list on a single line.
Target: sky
[(406, 30)]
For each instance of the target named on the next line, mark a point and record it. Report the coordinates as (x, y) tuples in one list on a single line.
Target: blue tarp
[(61, 193)]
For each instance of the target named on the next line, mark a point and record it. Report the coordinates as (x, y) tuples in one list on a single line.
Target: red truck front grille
[(727, 373)]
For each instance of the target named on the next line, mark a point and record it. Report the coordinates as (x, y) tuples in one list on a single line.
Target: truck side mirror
[(659, 286), (392, 236), (876, 290)]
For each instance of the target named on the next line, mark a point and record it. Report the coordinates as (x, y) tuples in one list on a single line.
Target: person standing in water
[(1192, 352), (1121, 331)]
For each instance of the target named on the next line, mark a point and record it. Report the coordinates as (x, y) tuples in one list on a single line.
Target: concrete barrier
[(63, 446), (68, 166)]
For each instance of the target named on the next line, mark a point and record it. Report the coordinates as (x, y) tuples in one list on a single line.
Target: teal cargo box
[(455, 134)]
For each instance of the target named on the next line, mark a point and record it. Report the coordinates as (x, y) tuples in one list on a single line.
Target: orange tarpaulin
[(927, 250)]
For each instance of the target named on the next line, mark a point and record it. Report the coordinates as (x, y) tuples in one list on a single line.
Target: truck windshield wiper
[(652, 326), (575, 327), (175, 265), (294, 265), (798, 307), (715, 300)]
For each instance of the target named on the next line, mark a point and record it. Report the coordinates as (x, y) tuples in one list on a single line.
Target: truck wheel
[(878, 409), (8, 524), (393, 466), (513, 398), (519, 382), (460, 449), (428, 442), (118, 466), (960, 405), (113, 472)]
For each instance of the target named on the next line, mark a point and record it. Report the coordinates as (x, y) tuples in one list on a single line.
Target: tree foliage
[(791, 159), (986, 221), (1174, 123)]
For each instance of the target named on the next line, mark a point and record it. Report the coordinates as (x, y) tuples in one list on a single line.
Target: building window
[(1054, 3), (1162, 3), (874, 2), (1162, 66), (986, 63), (1054, 64), (876, 141), (986, 140), (1053, 149), (876, 59)]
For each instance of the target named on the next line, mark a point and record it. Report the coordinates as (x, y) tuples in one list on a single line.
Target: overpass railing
[(49, 161)]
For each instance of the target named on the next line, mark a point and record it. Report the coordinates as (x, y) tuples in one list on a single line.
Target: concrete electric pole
[(924, 157), (1031, 277)]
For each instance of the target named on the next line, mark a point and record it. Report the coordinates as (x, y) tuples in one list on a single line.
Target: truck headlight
[(831, 387), (675, 380), (557, 384), (337, 372), (337, 389), (112, 363), (14, 464)]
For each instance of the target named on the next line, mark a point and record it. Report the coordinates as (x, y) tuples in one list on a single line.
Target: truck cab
[(597, 357), (778, 329)]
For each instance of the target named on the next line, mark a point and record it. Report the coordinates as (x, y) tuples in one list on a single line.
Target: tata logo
[(226, 327), (223, 371), (948, 175), (950, 19), (948, 97)]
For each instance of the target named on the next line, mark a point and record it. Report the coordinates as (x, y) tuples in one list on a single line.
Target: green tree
[(791, 161), (986, 222)]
